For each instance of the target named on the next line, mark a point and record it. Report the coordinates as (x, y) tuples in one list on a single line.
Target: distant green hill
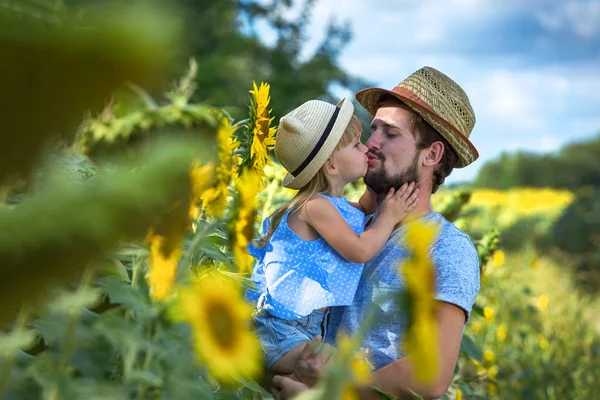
[(576, 165)]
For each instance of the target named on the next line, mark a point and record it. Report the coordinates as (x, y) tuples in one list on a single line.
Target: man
[(420, 132)]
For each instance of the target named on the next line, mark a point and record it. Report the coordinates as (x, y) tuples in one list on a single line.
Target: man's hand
[(309, 368), (285, 387), (312, 360)]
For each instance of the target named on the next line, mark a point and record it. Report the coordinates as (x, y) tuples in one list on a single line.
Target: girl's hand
[(397, 204)]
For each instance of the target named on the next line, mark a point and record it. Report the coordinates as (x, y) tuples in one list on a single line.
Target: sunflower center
[(264, 126), (222, 323)]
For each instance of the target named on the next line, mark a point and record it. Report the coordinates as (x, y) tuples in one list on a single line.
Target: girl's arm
[(328, 222)]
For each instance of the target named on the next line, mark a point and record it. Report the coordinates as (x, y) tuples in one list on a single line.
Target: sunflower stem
[(69, 337), (333, 385), (137, 267), (131, 352), (128, 362), (10, 358), (141, 390), (270, 196)]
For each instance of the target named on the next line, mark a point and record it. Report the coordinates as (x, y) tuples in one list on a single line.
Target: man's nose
[(373, 142)]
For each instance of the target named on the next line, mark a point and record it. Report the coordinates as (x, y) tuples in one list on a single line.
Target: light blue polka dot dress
[(294, 277)]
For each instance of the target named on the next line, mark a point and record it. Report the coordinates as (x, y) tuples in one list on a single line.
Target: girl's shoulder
[(321, 200), (319, 204)]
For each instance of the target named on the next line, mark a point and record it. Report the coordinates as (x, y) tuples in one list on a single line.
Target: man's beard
[(381, 182)]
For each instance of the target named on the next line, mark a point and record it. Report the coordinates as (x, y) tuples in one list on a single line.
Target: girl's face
[(351, 161)]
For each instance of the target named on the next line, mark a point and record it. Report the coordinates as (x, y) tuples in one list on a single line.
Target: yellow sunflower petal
[(248, 187), (419, 277), (220, 321), (214, 199), (263, 135), (421, 344), (162, 270)]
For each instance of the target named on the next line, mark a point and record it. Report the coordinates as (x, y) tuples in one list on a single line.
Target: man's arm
[(396, 377), (458, 285)]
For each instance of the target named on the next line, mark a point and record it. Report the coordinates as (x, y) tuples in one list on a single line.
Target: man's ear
[(434, 154)]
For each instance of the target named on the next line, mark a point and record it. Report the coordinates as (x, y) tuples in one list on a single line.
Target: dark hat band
[(319, 144)]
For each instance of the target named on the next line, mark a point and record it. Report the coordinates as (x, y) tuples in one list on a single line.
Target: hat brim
[(341, 122), (467, 153)]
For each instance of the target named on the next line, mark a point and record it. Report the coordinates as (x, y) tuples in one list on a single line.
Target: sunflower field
[(125, 233)]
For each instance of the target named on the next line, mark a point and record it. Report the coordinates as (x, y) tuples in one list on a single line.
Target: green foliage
[(44, 240), (542, 338), (72, 66), (452, 205), (129, 350), (244, 135), (578, 229), (577, 233), (222, 36), (576, 165), (135, 117), (106, 339)]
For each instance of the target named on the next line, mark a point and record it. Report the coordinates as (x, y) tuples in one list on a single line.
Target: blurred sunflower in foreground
[(359, 367), (220, 319), (419, 275)]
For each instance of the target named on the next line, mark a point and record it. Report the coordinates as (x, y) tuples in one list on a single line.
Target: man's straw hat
[(307, 136), (439, 101)]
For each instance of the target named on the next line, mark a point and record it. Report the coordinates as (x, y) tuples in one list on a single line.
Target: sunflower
[(263, 138), (202, 178), (359, 365), (220, 319), (419, 276), (421, 343), (247, 187), (356, 366), (162, 269), (214, 199)]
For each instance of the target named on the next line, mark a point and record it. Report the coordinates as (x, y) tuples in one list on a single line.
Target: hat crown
[(300, 131), (447, 99)]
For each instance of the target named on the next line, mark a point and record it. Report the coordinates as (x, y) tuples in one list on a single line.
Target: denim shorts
[(278, 336)]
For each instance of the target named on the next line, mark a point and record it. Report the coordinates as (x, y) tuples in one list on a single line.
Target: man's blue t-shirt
[(457, 282)]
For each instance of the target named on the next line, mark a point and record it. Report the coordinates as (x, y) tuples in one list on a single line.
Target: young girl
[(313, 249)]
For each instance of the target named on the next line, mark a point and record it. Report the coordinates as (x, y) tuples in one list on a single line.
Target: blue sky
[(531, 68)]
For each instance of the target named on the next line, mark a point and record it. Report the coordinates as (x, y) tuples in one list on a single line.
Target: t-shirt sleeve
[(457, 267)]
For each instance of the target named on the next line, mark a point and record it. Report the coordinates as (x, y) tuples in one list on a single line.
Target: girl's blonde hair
[(318, 184)]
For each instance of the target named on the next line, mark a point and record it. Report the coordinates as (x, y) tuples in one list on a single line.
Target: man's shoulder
[(450, 239), (450, 235), (454, 253)]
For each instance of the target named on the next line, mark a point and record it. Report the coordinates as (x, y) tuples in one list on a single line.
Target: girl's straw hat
[(439, 101), (307, 136)]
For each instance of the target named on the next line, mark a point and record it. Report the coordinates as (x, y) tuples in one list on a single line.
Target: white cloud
[(549, 144), (577, 16), (509, 99)]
